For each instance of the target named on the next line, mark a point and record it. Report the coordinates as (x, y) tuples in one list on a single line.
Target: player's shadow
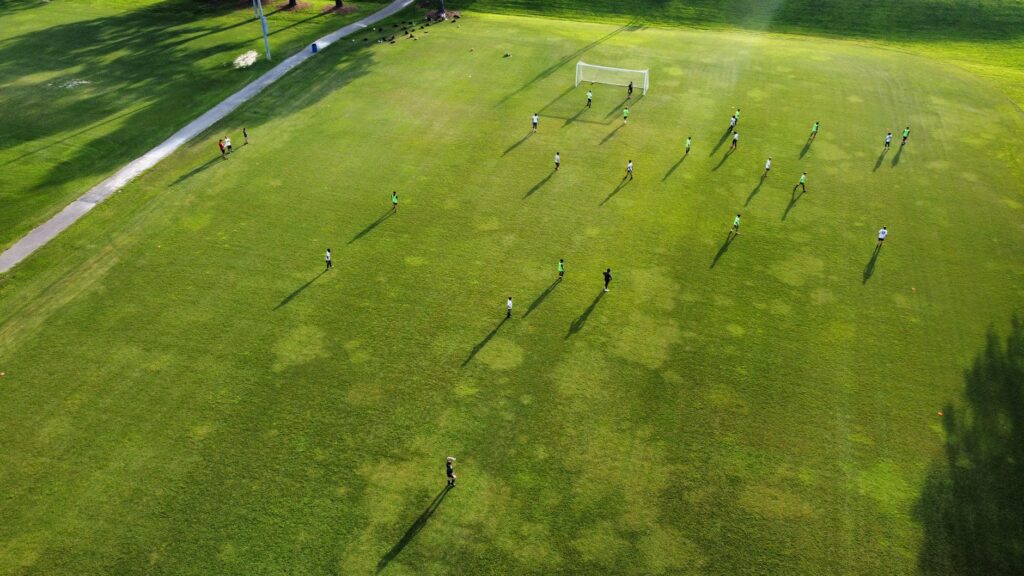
[(413, 530), (299, 290), (724, 158), (612, 133), (578, 323), (881, 157), (724, 248), (725, 136), (480, 345), (539, 185), (674, 166), (869, 270), (197, 170), (755, 190), (793, 197), (373, 225), (620, 186), (543, 295), (896, 158), (519, 143), (807, 147), (622, 105)]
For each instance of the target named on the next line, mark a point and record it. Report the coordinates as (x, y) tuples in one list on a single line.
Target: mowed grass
[(187, 393), (88, 85)]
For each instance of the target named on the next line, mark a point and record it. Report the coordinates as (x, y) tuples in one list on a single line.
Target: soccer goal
[(615, 76)]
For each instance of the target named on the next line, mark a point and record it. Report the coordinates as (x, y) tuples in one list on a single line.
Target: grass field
[(88, 85), (185, 392)]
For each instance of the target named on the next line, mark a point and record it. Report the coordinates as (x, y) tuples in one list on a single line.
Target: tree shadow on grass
[(869, 270), (621, 185), (755, 190), (972, 504), (578, 323), (480, 345), (723, 249), (543, 295), (539, 185), (896, 158), (373, 225), (881, 157), (673, 168), (299, 290), (793, 197), (518, 143), (616, 109), (413, 530)]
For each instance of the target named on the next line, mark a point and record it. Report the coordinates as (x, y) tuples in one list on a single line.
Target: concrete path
[(49, 230)]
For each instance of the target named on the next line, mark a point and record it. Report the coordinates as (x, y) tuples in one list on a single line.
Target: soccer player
[(625, 115), (737, 115), (245, 134), (881, 236), (449, 470), (735, 225), (558, 161), (394, 201), (508, 314), (227, 143), (888, 140), (629, 170), (906, 134), (561, 268), (735, 140), (221, 144), (688, 141), (814, 129), (607, 278), (327, 258), (732, 122), (802, 183), (590, 98), (536, 119), (629, 91), (767, 167)]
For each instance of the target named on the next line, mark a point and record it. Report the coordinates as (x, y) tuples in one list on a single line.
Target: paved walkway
[(49, 230)]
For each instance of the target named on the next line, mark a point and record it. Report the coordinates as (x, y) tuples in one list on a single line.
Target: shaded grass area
[(162, 416), (88, 86)]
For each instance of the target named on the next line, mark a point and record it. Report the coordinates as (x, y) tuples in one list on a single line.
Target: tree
[(338, 3)]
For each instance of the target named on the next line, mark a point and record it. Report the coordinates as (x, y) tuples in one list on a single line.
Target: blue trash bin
[(314, 48)]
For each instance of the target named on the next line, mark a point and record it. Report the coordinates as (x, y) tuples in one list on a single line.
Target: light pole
[(257, 6)]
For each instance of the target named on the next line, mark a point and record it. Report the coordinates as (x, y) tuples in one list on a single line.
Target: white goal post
[(615, 76)]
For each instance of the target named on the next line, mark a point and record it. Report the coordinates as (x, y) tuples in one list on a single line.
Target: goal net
[(641, 79)]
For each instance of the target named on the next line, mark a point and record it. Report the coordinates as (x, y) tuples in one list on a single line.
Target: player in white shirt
[(767, 167), (629, 171), (558, 161), (881, 236), (735, 140), (227, 144), (888, 140), (327, 259), (536, 119), (508, 314)]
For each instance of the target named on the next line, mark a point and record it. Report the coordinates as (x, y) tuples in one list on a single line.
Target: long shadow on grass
[(755, 191), (869, 270), (518, 143), (480, 345), (724, 158), (612, 133), (299, 290), (543, 295), (622, 184), (202, 167), (539, 185), (413, 530), (896, 158), (721, 141), (793, 197), (973, 499), (578, 323), (674, 166), (723, 249), (881, 157), (807, 147), (373, 225)]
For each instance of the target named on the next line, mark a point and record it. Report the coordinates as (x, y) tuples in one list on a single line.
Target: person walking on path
[(814, 130), (906, 134), (625, 115), (394, 201), (327, 259), (629, 91), (245, 134), (802, 183), (767, 168), (888, 140), (735, 140), (222, 152), (689, 140), (536, 119), (629, 170), (561, 268), (607, 278), (881, 237), (558, 161), (590, 98), (508, 313), (735, 226), (449, 470)]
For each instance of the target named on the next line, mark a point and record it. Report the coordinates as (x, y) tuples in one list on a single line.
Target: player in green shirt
[(394, 201), (625, 115), (802, 183), (737, 115), (814, 130), (736, 225), (561, 268), (906, 134), (688, 141)]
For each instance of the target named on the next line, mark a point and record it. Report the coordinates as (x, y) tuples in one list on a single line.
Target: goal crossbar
[(614, 76)]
